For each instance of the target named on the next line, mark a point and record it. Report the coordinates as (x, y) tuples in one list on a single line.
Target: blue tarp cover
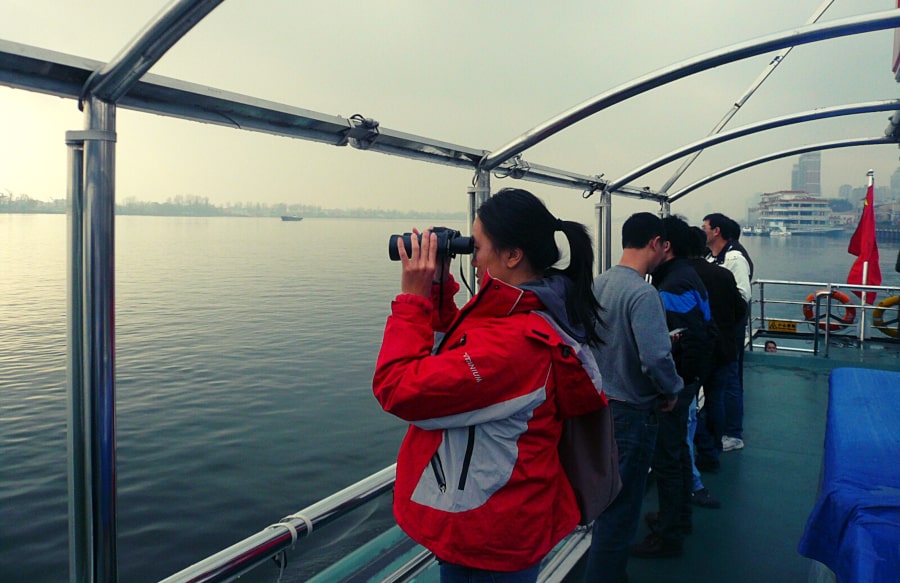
[(854, 527)]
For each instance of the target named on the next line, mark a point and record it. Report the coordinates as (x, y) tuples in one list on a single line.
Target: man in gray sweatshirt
[(639, 378)]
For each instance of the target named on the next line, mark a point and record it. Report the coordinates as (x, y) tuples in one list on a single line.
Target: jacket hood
[(553, 291)]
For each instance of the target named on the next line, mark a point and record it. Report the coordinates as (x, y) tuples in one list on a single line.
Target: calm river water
[(245, 348)]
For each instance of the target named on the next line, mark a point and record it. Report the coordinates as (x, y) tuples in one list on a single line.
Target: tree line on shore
[(199, 206)]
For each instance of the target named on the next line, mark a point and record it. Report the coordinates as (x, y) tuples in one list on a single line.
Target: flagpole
[(865, 278)]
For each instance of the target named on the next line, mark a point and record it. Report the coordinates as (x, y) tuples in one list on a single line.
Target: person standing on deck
[(728, 309), (479, 477), (720, 233), (686, 302), (640, 381)]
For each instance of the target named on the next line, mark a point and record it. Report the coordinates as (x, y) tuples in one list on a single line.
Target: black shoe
[(653, 547), (703, 499), (707, 465), (652, 520)]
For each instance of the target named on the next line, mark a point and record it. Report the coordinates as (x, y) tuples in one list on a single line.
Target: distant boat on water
[(755, 230), (291, 218)]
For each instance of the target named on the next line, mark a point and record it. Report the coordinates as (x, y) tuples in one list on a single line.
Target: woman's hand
[(419, 265)]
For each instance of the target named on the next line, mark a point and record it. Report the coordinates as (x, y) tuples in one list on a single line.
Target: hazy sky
[(476, 74)]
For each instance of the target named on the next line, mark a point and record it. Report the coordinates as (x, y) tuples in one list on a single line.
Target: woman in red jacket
[(479, 480)]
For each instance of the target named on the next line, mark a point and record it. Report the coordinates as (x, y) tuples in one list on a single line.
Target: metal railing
[(254, 550), (250, 553), (819, 315)]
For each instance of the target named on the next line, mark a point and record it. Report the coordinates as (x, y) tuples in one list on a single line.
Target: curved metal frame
[(736, 52), (115, 78), (773, 123), (782, 154)]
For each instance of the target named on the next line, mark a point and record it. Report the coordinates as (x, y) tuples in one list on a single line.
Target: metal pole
[(604, 231), (828, 319), (482, 193), (472, 208), (79, 494), (99, 337), (865, 274)]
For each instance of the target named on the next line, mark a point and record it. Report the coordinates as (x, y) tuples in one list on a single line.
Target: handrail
[(819, 322), (260, 547)]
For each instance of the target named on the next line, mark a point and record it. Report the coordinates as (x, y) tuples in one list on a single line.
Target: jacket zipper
[(438, 470), (470, 446), (436, 466)]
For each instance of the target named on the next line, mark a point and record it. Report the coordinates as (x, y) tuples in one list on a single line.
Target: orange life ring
[(835, 322), (878, 317)]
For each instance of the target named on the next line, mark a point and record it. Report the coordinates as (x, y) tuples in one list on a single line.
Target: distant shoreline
[(323, 214)]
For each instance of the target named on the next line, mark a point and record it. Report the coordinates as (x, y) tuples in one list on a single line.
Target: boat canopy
[(100, 88)]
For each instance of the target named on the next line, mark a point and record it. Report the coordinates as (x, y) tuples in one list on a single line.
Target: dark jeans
[(673, 469), (614, 530), (451, 573), (711, 422), (734, 397)]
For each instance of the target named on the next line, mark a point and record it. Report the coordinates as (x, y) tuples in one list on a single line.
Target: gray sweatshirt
[(636, 356)]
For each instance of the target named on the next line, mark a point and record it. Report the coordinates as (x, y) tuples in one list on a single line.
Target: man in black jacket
[(728, 311), (690, 322)]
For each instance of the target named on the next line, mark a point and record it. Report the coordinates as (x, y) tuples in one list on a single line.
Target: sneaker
[(732, 443), (703, 499), (653, 547)]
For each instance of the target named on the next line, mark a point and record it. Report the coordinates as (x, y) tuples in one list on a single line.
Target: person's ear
[(514, 257)]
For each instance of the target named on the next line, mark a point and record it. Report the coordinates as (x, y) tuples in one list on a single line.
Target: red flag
[(865, 247)]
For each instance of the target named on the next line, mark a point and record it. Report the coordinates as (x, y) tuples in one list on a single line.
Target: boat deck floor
[(768, 488)]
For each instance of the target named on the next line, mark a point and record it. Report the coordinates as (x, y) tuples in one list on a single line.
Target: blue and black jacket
[(687, 306)]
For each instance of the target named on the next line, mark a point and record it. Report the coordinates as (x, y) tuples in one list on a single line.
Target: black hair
[(515, 218), (734, 230), (697, 243), (728, 228), (678, 233), (640, 229)]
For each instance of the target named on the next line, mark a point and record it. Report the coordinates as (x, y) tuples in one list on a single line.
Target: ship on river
[(793, 212)]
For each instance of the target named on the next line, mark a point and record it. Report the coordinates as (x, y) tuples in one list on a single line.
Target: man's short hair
[(733, 231), (678, 233), (723, 223), (640, 229)]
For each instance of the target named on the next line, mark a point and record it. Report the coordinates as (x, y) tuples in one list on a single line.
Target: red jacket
[(479, 481)]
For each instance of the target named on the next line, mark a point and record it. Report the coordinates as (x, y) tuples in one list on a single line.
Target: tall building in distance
[(807, 172), (895, 185), (845, 191)]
